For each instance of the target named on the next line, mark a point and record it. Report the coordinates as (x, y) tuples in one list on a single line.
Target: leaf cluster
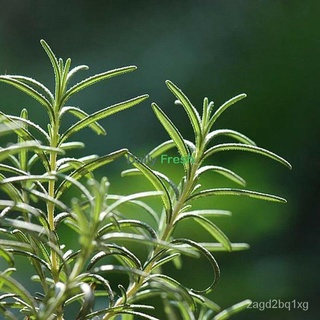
[(33, 209)]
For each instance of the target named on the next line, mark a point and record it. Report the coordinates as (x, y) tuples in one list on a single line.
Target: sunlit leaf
[(223, 171), (164, 260), (29, 91), (205, 301), (103, 113), (167, 145), (209, 212), (127, 256), (35, 83), (209, 226), (54, 62), (128, 223), (208, 256), (173, 133), (156, 182), (130, 172), (226, 314), (224, 107), (236, 192), (189, 108), (80, 114), (113, 236), (19, 127), (140, 204), (139, 314), (244, 147), (15, 287), (7, 257), (94, 79), (73, 71), (171, 284), (229, 133), (89, 167)]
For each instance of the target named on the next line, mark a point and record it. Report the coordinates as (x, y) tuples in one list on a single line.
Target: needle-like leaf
[(89, 167), (96, 78), (156, 182), (29, 91), (189, 108), (244, 147), (224, 107), (236, 192), (101, 114), (174, 134)]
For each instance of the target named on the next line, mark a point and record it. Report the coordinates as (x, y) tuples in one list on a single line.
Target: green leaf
[(32, 256), (224, 107), (173, 133), (209, 257), (130, 172), (230, 133), (98, 279), (15, 287), (209, 226), (210, 213), (226, 314), (10, 190), (236, 192), (126, 256), (20, 206), (103, 113), (66, 164), (18, 124), (71, 145), (171, 284), (116, 268), (164, 260), (23, 225), (27, 178), (77, 112), (73, 71), (7, 257), (156, 181), (35, 83), (55, 66), (205, 112), (139, 314), (124, 199), (28, 145), (88, 167), (205, 302), (94, 79), (244, 147), (65, 72), (131, 237), (140, 204), (189, 108), (47, 199), (223, 171), (6, 313), (213, 247), (29, 91), (167, 145), (15, 244), (128, 223)]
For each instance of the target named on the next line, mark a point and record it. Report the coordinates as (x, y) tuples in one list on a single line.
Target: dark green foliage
[(32, 212)]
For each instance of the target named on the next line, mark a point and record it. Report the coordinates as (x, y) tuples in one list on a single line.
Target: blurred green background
[(267, 49)]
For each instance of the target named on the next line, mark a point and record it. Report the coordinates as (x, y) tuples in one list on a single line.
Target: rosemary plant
[(34, 210)]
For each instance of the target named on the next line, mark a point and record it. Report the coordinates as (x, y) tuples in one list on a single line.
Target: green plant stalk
[(168, 230), (51, 190)]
